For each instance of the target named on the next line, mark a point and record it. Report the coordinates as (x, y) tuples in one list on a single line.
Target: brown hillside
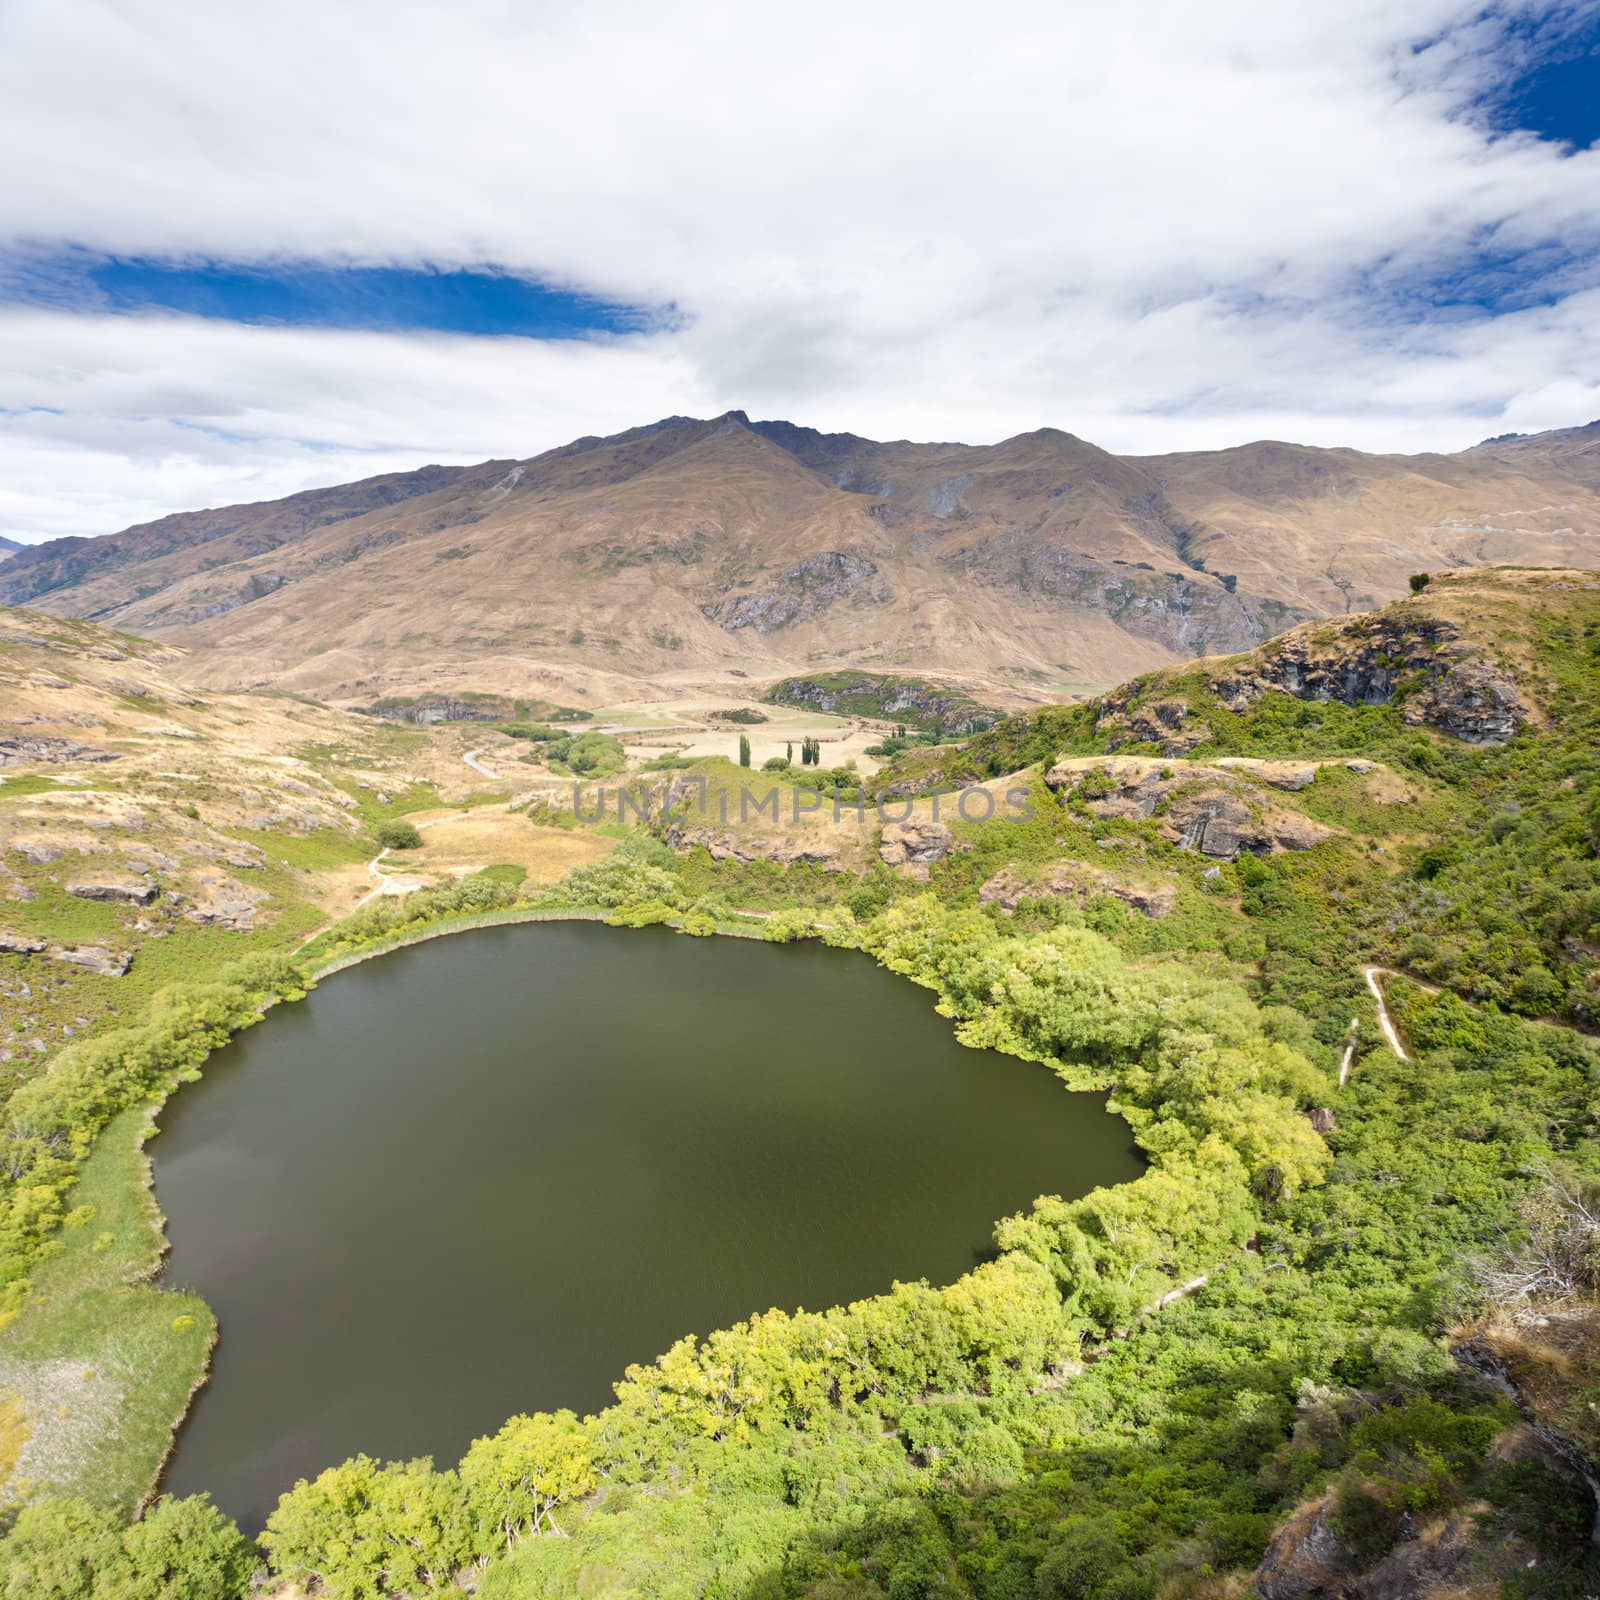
[(691, 553)]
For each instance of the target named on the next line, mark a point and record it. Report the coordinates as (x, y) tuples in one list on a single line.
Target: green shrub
[(398, 834)]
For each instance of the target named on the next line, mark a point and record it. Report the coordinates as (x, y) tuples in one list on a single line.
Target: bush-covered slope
[(914, 703), (1483, 693)]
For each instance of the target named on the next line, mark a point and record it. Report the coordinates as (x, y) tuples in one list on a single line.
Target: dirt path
[(400, 883), (1349, 1053), (1384, 1020), (471, 759)]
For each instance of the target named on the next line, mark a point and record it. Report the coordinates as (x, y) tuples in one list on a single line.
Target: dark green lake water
[(482, 1175)]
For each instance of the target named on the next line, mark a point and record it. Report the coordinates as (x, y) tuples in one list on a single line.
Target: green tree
[(397, 834), (518, 1478), (596, 755), (368, 1532), (1420, 581), (1086, 1561), (744, 750), (63, 1550), (187, 1550)]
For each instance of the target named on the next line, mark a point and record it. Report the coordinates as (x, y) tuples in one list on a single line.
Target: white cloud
[(1156, 225)]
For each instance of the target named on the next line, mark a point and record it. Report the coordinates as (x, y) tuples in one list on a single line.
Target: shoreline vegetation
[(172, 1055), (1149, 1393)]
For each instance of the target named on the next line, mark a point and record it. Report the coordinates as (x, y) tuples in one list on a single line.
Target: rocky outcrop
[(220, 902), (91, 957), (1307, 1558), (1079, 881), (1291, 775), (752, 847), (116, 890), (21, 752), (254, 587), (428, 710), (1438, 679), (1197, 807), (916, 702), (1168, 723), (913, 847), (801, 591), (1189, 612)]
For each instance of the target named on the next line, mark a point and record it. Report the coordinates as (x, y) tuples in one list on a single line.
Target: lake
[(482, 1175)]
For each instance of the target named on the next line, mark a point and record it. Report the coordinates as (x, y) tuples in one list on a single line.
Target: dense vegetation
[(915, 702), (1500, 898), (52, 1122)]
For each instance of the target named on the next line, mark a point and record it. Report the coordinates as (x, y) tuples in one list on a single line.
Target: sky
[(249, 250)]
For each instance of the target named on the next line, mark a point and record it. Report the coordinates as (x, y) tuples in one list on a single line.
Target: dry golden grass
[(465, 842), (1551, 1360), (14, 1433)]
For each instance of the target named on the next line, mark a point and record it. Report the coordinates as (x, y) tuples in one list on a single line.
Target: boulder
[(1307, 1559), (1288, 830), (94, 958), (118, 890), (913, 847), (41, 852), (19, 944), (22, 752)]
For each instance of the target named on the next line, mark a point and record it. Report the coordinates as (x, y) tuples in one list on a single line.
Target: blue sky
[(242, 253), (1552, 87), (310, 294)]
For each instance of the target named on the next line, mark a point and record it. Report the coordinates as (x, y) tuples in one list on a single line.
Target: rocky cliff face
[(1310, 1559), (1210, 809), (430, 709), (1192, 613), (1438, 678), (751, 845), (801, 591)]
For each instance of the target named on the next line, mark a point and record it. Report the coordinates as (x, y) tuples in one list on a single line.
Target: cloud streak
[(1157, 227)]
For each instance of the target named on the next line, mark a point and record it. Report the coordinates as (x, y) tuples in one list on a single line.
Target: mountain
[(8, 547), (694, 551)]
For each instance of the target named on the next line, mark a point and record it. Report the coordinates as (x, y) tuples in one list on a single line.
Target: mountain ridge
[(691, 549)]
